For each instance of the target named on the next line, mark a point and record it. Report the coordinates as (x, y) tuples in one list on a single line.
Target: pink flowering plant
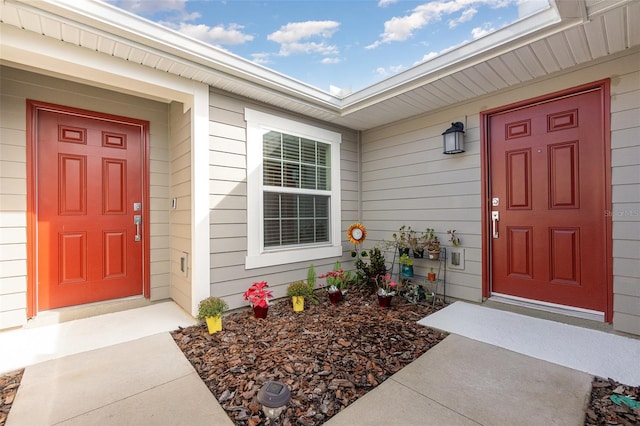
[(258, 295), (386, 286), (337, 279)]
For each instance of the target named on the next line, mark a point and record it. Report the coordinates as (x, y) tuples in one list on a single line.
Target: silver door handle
[(137, 220), (495, 216)]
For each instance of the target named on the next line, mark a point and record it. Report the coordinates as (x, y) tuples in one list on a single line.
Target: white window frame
[(258, 123)]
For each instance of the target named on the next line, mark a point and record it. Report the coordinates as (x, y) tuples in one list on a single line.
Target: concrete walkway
[(148, 381)]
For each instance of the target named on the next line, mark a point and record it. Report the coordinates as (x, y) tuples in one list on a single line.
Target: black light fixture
[(453, 139), (274, 397)]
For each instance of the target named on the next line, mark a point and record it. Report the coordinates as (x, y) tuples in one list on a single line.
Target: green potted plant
[(367, 272), (401, 240), (418, 242), (211, 310), (431, 275), (433, 246), (406, 266), (337, 281), (258, 296), (386, 290), (455, 240), (298, 290)]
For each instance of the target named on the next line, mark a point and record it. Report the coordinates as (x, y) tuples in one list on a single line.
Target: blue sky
[(334, 45)]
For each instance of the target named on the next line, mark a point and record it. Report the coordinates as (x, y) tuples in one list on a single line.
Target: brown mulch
[(9, 383), (328, 355), (603, 411)]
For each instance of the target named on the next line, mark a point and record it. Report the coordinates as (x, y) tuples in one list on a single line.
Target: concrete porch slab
[(463, 381)]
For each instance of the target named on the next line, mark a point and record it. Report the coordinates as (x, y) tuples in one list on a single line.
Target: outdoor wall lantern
[(274, 397), (453, 139)]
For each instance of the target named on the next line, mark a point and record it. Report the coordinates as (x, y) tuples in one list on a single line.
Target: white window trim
[(257, 257)]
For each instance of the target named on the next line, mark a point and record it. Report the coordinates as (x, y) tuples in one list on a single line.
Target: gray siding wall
[(180, 190), (16, 87), (407, 180), (228, 202)]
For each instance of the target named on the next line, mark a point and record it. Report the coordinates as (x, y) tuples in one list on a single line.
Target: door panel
[(547, 168), (89, 174)]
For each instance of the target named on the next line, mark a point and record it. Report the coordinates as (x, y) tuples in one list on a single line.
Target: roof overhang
[(561, 37)]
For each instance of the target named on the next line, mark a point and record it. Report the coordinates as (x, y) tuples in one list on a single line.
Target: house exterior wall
[(407, 180), (180, 191), (228, 202), (16, 87)]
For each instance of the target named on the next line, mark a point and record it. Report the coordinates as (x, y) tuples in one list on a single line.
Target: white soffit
[(552, 40)]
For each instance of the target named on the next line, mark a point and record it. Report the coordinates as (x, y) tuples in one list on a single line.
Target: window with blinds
[(296, 186)]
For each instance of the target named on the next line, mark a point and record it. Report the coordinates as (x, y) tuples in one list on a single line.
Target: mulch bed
[(9, 383), (328, 355), (603, 411)]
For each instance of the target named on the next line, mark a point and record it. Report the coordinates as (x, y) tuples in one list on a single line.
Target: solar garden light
[(274, 397), (453, 139)]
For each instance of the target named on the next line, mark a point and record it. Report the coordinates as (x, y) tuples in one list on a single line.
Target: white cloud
[(465, 16), (295, 31), (290, 37), (427, 57), (145, 6), (261, 58), (401, 28), (386, 72), (218, 35), (331, 60), (385, 3), (482, 31)]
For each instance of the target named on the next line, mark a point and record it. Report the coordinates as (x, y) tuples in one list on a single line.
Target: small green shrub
[(211, 307)]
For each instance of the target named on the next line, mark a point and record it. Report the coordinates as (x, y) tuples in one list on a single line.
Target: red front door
[(89, 181), (547, 171)]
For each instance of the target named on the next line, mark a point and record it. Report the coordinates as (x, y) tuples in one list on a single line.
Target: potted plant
[(211, 310), (337, 281), (431, 276), (433, 247), (258, 296), (418, 243), (455, 240), (367, 272), (401, 240), (386, 289), (298, 290), (406, 266)]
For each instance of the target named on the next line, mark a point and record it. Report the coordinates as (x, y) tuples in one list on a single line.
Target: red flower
[(257, 294)]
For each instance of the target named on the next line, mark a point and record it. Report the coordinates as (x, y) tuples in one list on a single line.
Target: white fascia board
[(82, 65), (132, 28)]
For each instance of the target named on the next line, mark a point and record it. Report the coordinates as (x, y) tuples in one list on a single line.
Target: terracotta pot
[(214, 324), (384, 301), (260, 312), (434, 255), (298, 303), (431, 276), (335, 297)]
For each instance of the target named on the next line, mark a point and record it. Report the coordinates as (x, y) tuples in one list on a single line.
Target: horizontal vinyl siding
[(180, 232), (407, 180), (16, 87), (625, 212), (228, 201)]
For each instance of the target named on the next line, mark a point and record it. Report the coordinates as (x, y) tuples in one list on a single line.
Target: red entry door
[(89, 175), (548, 173)]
